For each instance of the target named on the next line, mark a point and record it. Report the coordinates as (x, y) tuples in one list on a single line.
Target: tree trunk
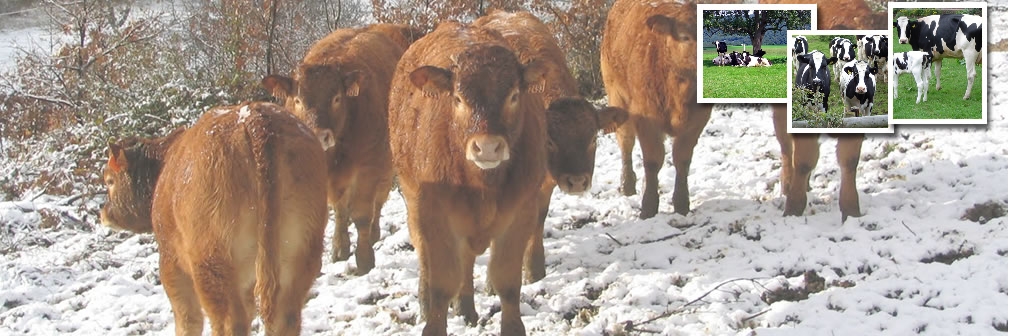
[(757, 39), (271, 36)]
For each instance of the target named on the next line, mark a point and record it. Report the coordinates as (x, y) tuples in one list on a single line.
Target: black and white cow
[(858, 86), (800, 46), (813, 75), (866, 45), (917, 64), (945, 36), (720, 47), (757, 59), (880, 53), (843, 50)]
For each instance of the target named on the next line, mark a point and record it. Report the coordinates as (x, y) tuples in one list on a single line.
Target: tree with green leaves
[(755, 23)]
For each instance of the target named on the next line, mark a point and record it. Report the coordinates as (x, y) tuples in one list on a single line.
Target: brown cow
[(648, 62), (236, 206), (572, 122), (341, 90), (800, 152), (469, 145)]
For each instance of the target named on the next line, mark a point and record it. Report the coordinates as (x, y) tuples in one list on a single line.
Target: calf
[(572, 124), (237, 220), (858, 87), (341, 90), (917, 64), (843, 50), (720, 47), (866, 45), (468, 138), (945, 36), (648, 66), (814, 76), (757, 59), (800, 46)]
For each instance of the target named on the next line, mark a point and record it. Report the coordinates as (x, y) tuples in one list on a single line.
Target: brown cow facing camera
[(236, 204), (572, 122), (469, 144), (341, 90)]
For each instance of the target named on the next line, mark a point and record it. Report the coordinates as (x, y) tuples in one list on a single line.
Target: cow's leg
[(894, 84), (341, 237), (849, 149), (937, 67), (535, 259), (505, 271), (921, 83), (218, 291), (780, 116), (182, 295), (441, 271), (625, 140), (653, 152), (366, 209), (969, 57), (924, 85), (804, 156), (683, 153), (463, 304)]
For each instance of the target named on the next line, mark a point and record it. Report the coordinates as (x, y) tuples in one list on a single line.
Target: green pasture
[(834, 104), (744, 82), (947, 103)]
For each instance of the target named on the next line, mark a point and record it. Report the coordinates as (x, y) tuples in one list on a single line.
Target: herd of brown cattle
[(478, 121)]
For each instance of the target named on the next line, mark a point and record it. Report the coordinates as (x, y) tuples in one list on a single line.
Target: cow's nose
[(574, 184), (903, 41), (816, 81), (487, 151), (860, 89)]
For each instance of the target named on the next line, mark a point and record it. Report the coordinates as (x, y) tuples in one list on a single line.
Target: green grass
[(947, 103), (834, 104), (744, 82)]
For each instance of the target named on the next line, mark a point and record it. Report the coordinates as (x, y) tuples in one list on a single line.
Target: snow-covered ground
[(919, 261)]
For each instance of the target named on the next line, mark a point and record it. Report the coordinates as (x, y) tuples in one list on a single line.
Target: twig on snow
[(615, 240), (908, 228), (756, 315), (632, 326)]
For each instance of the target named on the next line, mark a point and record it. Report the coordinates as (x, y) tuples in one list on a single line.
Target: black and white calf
[(800, 46), (917, 64), (945, 36), (843, 50), (814, 76), (858, 87), (757, 59)]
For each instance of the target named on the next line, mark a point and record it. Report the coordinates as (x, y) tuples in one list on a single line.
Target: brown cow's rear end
[(237, 207), (468, 142)]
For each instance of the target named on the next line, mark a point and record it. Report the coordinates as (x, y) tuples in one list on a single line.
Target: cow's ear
[(352, 83), (612, 117), (117, 158), (279, 86), (873, 70), (832, 60), (534, 76), (803, 58), (848, 70), (432, 80), (895, 25)]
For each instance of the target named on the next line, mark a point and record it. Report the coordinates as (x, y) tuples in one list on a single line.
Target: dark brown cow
[(648, 66), (469, 145), (341, 90), (236, 204), (572, 122), (800, 152)]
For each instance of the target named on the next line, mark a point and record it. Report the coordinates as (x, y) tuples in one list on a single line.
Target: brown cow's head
[(130, 175), (321, 96), (485, 85), (572, 124)]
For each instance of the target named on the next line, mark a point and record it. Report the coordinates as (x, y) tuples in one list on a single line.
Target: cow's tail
[(262, 142)]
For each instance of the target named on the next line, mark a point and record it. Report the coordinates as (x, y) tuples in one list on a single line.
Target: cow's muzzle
[(487, 151)]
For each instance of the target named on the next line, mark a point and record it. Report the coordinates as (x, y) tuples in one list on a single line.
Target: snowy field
[(927, 257)]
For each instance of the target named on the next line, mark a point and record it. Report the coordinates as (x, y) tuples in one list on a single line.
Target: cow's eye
[(337, 99), (458, 101), (551, 146), (514, 98)]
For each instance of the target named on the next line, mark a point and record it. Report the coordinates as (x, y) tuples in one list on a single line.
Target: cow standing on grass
[(341, 90), (814, 75), (469, 142), (800, 46), (842, 49), (237, 204), (858, 87), (945, 36), (915, 63)]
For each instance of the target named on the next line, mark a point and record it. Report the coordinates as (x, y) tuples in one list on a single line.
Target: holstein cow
[(341, 90), (572, 123), (843, 50), (814, 76), (720, 47), (858, 87), (756, 60), (237, 206), (800, 152), (469, 140), (800, 46), (917, 64), (648, 66), (945, 36)]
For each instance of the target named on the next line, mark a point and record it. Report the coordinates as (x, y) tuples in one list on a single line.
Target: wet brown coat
[(648, 62), (456, 92), (341, 89), (236, 206), (800, 152), (572, 122)]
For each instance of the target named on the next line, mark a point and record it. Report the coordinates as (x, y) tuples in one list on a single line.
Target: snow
[(911, 264)]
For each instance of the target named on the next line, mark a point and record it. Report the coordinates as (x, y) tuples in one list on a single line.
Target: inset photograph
[(938, 64), (743, 50), (837, 81)]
